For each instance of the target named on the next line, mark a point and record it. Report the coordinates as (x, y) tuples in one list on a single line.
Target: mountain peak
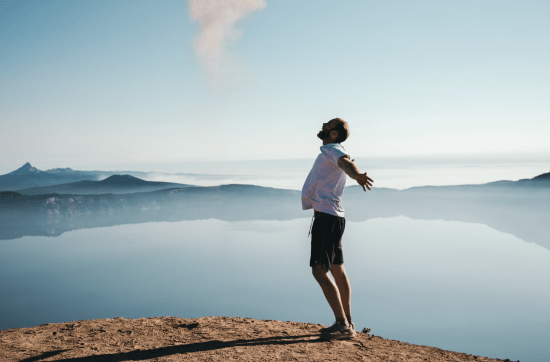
[(25, 169)]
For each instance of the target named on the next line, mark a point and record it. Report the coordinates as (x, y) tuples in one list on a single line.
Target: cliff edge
[(204, 339)]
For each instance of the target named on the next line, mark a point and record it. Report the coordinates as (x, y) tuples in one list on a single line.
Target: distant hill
[(28, 176), (124, 180), (116, 184), (540, 181), (544, 176)]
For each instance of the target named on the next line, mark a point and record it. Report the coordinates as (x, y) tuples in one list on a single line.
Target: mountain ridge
[(28, 176), (117, 184)]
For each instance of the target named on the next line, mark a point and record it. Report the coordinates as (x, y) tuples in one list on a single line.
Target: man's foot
[(332, 327), (338, 331)]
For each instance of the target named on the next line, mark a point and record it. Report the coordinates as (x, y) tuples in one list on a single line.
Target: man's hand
[(352, 171), (363, 180)]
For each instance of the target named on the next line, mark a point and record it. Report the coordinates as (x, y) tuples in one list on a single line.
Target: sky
[(144, 84)]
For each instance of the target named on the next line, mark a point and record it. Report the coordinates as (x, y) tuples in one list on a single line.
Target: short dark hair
[(342, 128)]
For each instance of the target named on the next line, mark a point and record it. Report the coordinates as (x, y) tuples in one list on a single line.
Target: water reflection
[(522, 212)]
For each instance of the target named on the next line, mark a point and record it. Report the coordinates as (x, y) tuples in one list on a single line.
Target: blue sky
[(86, 83)]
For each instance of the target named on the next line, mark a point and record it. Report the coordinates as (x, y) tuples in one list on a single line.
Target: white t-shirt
[(325, 183)]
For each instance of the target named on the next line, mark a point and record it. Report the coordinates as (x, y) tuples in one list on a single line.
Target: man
[(323, 192)]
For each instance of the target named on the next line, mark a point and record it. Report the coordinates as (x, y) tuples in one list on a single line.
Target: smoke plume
[(217, 19)]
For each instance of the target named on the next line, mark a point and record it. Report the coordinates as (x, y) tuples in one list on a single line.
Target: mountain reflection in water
[(522, 212)]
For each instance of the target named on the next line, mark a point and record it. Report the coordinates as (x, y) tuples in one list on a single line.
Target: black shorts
[(326, 240)]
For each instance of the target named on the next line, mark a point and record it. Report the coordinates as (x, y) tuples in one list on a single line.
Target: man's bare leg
[(330, 290), (344, 288)]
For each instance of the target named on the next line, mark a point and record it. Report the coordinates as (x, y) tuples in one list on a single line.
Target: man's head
[(334, 131)]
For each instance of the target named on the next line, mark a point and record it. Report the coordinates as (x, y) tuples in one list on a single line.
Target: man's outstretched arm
[(352, 171)]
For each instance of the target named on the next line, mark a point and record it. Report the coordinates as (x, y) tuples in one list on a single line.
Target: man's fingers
[(367, 184), (368, 178), (366, 181)]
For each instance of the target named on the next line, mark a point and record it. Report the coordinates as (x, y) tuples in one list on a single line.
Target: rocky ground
[(203, 339)]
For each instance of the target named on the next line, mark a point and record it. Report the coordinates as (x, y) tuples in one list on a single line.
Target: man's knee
[(338, 270), (320, 273)]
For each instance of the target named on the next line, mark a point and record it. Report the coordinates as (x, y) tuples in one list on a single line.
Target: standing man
[(323, 192)]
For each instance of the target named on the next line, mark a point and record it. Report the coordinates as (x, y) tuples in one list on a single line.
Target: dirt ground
[(203, 339)]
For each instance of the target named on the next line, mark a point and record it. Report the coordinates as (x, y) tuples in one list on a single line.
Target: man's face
[(325, 131)]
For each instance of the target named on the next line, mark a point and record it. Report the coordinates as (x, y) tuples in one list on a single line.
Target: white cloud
[(218, 19)]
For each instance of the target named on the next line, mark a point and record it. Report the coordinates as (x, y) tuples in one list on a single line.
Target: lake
[(454, 285)]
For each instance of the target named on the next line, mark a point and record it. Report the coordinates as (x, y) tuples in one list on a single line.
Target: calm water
[(457, 286)]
